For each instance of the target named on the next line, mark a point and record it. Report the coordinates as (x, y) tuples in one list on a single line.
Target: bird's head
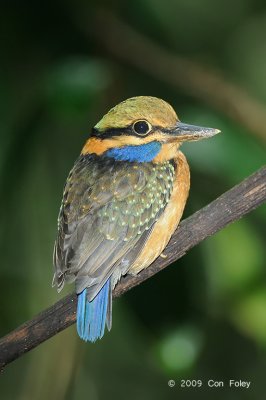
[(142, 129)]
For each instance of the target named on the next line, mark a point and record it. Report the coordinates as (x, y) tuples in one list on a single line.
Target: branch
[(199, 81), (229, 207)]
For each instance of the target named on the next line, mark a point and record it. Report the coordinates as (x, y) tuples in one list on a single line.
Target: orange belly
[(169, 220)]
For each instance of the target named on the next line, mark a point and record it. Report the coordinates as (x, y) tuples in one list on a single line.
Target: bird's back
[(107, 214)]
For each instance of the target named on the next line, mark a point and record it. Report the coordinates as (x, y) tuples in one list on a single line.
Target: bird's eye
[(141, 127)]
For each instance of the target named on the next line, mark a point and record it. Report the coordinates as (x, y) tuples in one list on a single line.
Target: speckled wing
[(107, 213)]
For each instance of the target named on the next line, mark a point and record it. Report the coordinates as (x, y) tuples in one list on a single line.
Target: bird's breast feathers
[(169, 219)]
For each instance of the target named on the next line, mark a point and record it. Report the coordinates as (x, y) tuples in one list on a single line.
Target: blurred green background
[(202, 318)]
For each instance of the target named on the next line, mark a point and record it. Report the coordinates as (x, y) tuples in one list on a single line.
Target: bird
[(122, 201)]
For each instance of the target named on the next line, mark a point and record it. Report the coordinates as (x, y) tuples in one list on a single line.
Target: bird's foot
[(163, 255)]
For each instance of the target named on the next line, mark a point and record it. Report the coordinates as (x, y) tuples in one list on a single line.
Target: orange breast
[(169, 220)]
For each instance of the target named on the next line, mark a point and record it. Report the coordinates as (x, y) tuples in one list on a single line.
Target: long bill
[(187, 132)]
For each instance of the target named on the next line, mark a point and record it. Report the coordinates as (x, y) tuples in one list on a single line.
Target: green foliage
[(236, 257), (75, 84), (249, 315), (179, 351)]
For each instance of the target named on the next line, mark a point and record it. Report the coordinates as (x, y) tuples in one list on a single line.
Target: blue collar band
[(142, 153)]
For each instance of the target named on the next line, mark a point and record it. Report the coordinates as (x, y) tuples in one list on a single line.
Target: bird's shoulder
[(97, 181)]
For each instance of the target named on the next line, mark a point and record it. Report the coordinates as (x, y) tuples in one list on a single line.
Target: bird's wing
[(107, 212)]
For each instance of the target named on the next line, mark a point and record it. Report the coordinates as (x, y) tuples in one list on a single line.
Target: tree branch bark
[(227, 208)]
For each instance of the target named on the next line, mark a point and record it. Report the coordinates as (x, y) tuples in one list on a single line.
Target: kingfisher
[(122, 201)]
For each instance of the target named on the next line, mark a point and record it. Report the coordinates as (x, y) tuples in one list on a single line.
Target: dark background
[(63, 65)]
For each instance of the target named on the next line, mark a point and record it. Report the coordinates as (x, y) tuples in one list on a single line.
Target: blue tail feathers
[(93, 315)]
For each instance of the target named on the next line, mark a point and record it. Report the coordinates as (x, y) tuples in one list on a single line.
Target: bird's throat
[(141, 153)]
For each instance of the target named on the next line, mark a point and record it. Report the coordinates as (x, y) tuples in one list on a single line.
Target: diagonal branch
[(229, 207)]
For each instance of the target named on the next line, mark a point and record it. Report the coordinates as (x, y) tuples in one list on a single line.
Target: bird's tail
[(93, 315)]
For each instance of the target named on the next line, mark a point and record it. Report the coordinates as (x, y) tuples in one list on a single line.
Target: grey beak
[(186, 132)]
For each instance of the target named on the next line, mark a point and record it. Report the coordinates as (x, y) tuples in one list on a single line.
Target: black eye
[(141, 127)]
